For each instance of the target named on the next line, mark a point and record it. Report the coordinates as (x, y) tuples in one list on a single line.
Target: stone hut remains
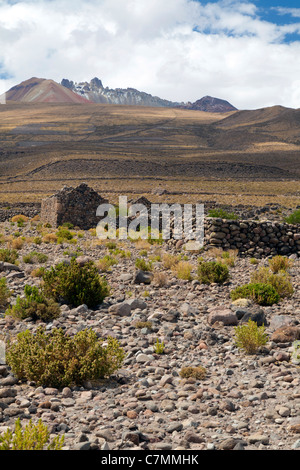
[(77, 206)]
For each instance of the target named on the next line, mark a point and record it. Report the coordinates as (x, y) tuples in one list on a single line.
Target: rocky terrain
[(249, 402), (97, 93)]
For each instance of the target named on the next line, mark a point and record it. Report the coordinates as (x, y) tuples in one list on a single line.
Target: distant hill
[(40, 90), (210, 105), (96, 92)]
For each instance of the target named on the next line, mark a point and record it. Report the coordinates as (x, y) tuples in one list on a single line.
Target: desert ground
[(248, 157), (239, 400)]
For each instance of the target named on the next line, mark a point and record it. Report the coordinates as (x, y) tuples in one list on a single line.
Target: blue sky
[(246, 52)]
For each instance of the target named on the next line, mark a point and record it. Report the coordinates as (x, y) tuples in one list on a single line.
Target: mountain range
[(40, 90)]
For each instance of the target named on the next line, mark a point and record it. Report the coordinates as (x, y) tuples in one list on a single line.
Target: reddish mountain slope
[(39, 90)]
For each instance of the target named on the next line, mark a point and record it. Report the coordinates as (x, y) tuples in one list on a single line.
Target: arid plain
[(242, 157)]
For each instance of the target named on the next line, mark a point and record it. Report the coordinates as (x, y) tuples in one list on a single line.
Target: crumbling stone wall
[(7, 211), (253, 238), (77, 206)]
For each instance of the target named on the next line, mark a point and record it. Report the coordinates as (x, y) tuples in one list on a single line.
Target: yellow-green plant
[(4, 292), (31, 437), (281, 281), (58, 360), (9, 256), (280, 263), (250, 337), (104, 264), (159, 347), (197, 373), (183, 270), (34, 305), (144, 265), (75, 284), (169, 260), (212, 271), (143, 324), (262, 294)]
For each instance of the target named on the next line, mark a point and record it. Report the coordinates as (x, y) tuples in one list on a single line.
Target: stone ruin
[(77, 206)]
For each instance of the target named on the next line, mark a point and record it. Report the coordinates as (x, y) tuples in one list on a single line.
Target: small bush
[(228, 257), (253, 261), (280, 263), (169, 261), (58, 360), (143, 324), (280, 281), (37, 240), (250, 337), (38, 272), (31, 437), (212, 271), (262, 294), (34, 305), (294, 218), (17, 243), (198, 373), (50, 238), (144, 265), (4, 292), (105, 263), (183, 270), (63, 235), (67, 225), (8, 256), (159, 347), (160, 279), (75, 285), (19, 218), (35, 257), (222, 214)]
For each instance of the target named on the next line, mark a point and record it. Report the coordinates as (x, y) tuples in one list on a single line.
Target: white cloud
[(176, 49)]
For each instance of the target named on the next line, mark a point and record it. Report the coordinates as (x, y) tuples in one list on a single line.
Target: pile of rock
[(252, 238)]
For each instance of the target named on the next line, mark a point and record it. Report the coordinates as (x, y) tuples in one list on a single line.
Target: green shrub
[(262, 294), (58, 360), (31, 437), (294, 218), (212, 271), (34, 305), (35, 257), (198, 373), (250, 337), (67, 225), (63, 235), (4, 292), (8, 256), (75, 285), (222, 214), (142, 264), (281, 281), (37, 240)]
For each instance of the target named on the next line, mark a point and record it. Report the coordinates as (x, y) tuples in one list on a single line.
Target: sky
[(246, 52)]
